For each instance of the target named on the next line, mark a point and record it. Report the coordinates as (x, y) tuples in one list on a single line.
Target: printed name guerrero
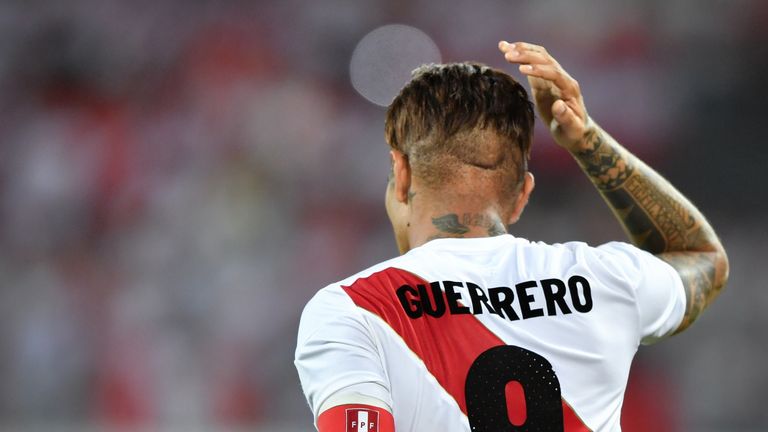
[(558, 297)]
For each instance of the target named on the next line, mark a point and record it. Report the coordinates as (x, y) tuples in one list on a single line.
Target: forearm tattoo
[(656, 217), (604, 165)]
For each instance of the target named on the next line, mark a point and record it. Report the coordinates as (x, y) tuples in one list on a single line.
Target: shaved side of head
[(463, 126)]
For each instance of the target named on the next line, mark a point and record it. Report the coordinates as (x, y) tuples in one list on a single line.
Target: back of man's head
[(463, 126)]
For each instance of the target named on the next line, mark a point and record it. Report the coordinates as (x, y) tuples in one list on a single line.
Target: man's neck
[(454, 224)]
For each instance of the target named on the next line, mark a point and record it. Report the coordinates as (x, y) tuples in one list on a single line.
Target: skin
[(655, 215), (470, 211)]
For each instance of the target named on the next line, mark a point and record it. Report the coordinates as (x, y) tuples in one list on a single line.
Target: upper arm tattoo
[(698, 271)]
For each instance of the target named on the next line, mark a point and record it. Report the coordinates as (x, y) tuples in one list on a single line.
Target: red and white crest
[(362, 420)]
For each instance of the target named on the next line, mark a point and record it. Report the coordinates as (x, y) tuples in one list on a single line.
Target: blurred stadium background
[(178, 177)]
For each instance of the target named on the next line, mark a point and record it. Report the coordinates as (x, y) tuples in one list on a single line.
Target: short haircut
[(455, 116)]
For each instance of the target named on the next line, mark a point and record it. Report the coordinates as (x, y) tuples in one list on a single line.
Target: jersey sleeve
[(657, 287), (337, 358)]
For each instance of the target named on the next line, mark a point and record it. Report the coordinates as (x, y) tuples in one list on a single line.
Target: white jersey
[(475, 334)]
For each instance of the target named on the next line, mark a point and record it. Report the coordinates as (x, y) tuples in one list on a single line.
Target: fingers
[(535, 61), (522, 52), (529, 57), (554, 73), (521, 46)]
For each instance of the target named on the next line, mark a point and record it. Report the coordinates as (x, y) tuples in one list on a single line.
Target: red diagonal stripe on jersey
[(460, 338)]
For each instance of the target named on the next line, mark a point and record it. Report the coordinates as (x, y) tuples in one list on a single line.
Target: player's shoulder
[(612, 253), (617, 264), (624, 259), (512, 243), (331, 304), (329, 293), (580, 247)]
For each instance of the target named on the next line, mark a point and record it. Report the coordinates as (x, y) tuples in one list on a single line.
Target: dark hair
[(456, 114)]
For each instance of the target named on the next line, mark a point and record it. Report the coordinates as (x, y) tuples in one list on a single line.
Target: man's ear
[(522, 198), (401, 170)]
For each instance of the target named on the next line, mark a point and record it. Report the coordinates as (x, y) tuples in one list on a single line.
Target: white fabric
[(637, 298), (350, 397)]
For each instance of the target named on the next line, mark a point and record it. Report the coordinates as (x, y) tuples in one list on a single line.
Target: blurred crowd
[(177, 178)]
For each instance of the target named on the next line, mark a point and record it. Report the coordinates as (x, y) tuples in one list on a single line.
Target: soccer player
[(473, 329)]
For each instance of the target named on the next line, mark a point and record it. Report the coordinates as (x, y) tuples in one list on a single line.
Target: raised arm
[(655, 215)]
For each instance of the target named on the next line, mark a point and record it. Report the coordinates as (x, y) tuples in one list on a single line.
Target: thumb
[(565, 119)]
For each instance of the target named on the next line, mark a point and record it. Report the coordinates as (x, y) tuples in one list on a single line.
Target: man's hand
[(557, 95)]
